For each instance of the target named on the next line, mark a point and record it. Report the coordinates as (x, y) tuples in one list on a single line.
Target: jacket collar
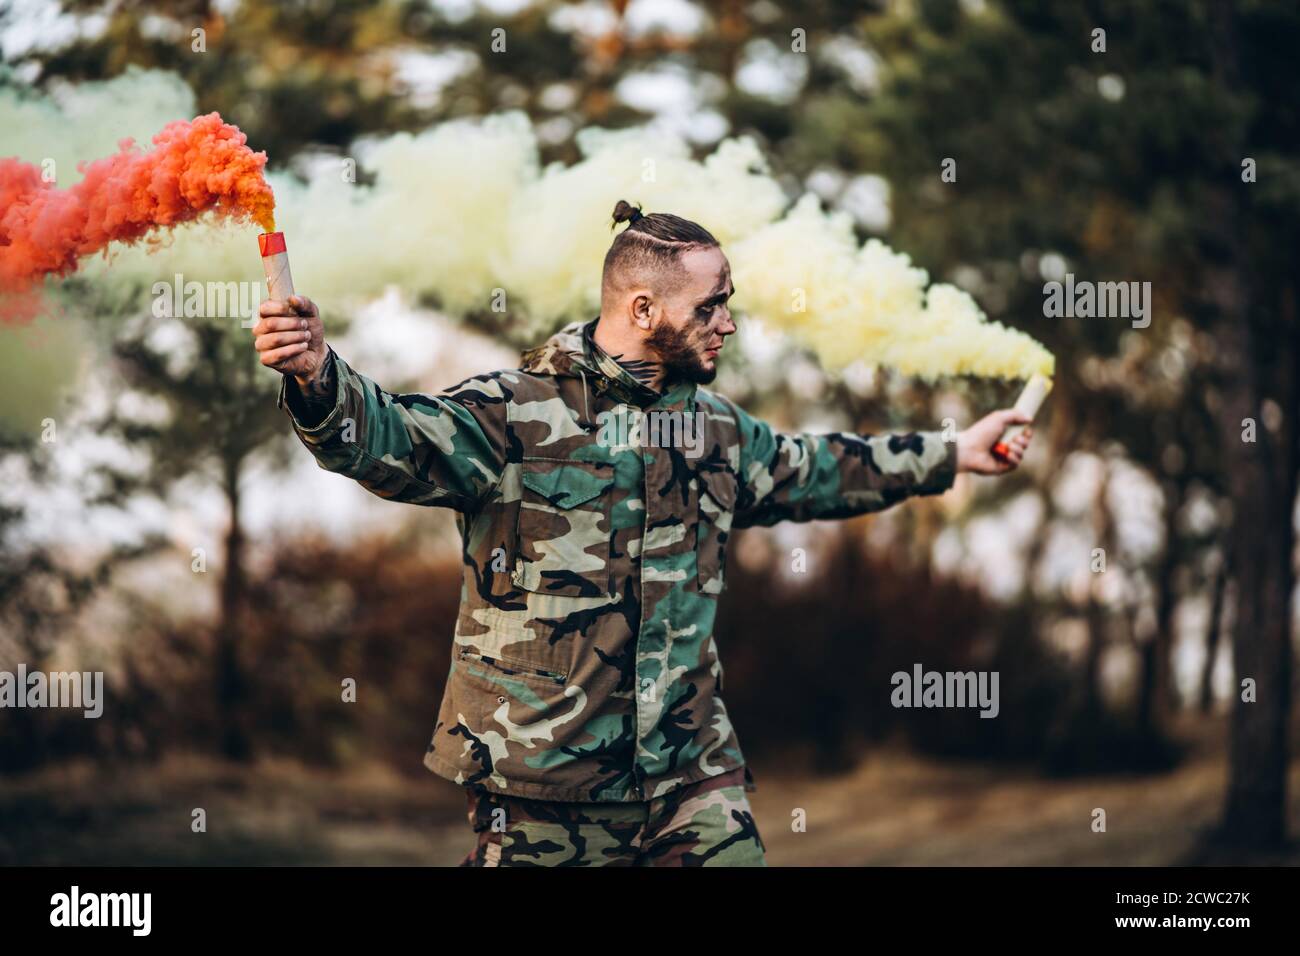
[(573, 353)]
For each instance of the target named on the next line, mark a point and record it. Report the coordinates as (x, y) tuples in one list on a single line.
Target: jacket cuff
[(335, 412)]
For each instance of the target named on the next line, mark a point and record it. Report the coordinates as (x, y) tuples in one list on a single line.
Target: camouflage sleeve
[(446, 450), (812, 477)]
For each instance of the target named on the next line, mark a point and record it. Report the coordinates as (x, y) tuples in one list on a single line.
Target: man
[(595, 489)]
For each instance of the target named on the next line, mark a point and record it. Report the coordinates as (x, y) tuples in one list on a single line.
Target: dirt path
[(897, 809), (893, 809)]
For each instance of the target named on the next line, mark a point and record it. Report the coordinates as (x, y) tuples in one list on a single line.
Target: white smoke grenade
[(1030, 400)]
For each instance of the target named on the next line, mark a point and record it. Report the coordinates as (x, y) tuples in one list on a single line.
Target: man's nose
[(728, 323)]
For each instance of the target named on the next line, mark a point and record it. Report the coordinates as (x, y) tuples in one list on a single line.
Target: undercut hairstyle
[(650, 248)]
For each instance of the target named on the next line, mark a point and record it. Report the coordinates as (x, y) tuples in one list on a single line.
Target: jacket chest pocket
[(564, 532), (717, 502)]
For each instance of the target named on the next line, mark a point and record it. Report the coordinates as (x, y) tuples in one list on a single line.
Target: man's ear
[(642, 311)]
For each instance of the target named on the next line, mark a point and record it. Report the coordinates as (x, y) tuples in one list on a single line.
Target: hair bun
[(626, 212)]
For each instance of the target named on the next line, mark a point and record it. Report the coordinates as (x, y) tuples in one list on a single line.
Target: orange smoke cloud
[(194, 167)]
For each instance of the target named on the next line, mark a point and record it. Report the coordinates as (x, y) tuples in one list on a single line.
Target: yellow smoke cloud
[(465, 209), (806, 273)]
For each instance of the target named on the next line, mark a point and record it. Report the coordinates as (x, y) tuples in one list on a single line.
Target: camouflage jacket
[(594, 515)]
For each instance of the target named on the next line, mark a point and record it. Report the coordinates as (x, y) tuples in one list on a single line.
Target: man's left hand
[(975, 444)]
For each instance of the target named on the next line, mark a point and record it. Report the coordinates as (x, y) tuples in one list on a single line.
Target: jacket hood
[(571, 353), (561, 355)]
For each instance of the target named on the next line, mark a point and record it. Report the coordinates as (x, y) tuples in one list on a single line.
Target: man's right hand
[(290, 338)]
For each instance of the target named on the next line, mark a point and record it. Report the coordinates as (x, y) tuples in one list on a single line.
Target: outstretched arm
[(445, 449), (802, 477)]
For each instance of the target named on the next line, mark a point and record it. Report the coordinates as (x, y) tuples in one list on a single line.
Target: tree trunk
[(1103, 526), (1261, 476), (1212, 637), (1256, 808), (1259, 359), (231, 687), (1156, 699)]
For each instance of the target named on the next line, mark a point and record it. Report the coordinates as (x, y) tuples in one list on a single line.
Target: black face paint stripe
[(717, 299)]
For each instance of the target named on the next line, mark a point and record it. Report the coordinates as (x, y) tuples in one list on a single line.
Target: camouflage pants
[(700, 824)]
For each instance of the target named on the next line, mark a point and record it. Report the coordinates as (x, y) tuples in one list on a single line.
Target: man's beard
[(680, 359)]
